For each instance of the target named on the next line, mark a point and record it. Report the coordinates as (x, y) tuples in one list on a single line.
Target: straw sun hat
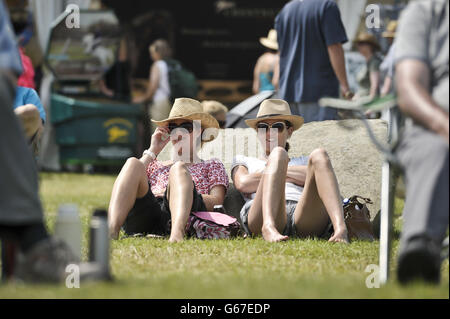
[(390, 29), (368, 38), (189, 109), (275, 109), (271, 40)]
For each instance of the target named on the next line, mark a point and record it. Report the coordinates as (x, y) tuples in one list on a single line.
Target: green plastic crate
[(94, 131)]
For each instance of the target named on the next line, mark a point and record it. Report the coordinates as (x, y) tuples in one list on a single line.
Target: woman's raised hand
[(160, 138)]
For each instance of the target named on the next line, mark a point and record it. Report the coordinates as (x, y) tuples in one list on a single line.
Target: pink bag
[(212, 225)]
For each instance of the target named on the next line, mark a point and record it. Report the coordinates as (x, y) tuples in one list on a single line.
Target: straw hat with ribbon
[(390, 29), (368, 38), (275, 109), (189, 109), (271, 40)]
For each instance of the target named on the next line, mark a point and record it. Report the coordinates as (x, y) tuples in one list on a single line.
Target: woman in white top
[(158, 90), (287, 197)]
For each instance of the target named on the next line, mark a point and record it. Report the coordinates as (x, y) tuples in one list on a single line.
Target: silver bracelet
[(149, 153)]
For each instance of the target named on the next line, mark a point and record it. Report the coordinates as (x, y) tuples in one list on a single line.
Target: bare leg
[(320, 196), (131, 184), (180, 199), (267, 215)]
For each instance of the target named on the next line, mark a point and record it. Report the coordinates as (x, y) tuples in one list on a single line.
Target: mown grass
[(238, 268)]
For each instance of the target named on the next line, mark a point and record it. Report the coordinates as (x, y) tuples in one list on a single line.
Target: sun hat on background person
[(190, 109), (217, 110), (270, 41), (275, 109), (367, 38), (390, 29)]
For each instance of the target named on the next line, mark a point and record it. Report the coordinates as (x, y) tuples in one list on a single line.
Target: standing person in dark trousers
[(21, 218), (422, 85), (312, 65)]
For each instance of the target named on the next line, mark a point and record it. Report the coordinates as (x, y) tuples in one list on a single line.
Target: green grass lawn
[(239, 268)]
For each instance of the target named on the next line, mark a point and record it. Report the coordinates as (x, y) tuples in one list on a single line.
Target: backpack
[(212, 225), (183, 82)]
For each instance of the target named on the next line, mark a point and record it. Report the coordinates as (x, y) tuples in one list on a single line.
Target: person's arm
[(104, 89), (276, 73), (374, 82), (388, 79), (296, 174), (216, 196), (243, 181), (414, 99), (30, 118), (255, 88), (337, 59), (153, 83), (386, 86)]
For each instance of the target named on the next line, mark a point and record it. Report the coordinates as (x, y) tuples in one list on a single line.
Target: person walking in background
[(217, 110), (158, 89), (21, 216), (312, 65), (422, 81), (264, 77), (369, 76), (22, 23)]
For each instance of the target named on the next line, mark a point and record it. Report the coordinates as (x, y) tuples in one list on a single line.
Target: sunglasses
[(280, 126), (188, 126)]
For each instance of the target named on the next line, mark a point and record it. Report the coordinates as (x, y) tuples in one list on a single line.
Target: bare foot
[(340, 236), (175, 240), (113, 234), (176, 237), (272, 235)]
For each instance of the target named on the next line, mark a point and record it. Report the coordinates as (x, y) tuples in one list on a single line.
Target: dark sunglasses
[(280, 126), (189, 126)]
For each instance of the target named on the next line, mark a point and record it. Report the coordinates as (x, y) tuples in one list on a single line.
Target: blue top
[(305, 28), (26, 95), (9, 53), (265, 81)]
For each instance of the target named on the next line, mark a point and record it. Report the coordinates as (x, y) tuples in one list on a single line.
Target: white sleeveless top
[(253, 165), (163, 90)]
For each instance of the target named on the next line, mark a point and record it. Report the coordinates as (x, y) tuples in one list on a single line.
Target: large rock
[(355, 159)]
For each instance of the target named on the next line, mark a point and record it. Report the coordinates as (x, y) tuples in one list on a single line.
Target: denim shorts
[(290, 229)]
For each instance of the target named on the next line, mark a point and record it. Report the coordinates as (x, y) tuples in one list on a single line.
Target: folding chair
[(390, 167)]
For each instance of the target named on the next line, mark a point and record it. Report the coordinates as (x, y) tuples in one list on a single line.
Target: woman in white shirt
[(158, 90), (287, 197)]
